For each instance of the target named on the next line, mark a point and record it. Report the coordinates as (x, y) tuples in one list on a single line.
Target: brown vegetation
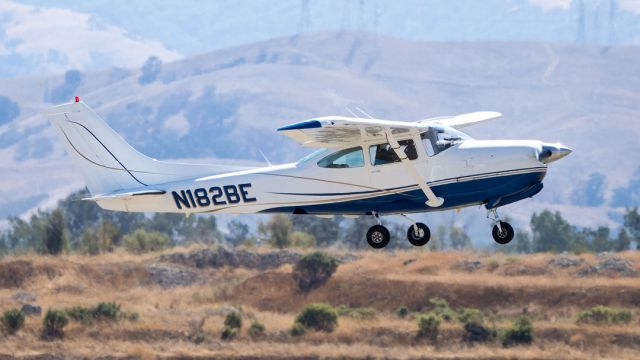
[(184, 317)]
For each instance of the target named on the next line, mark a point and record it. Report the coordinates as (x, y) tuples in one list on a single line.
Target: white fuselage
[(468, 173)]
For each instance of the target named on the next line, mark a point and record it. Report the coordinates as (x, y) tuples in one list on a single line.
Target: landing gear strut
[(502, 231)]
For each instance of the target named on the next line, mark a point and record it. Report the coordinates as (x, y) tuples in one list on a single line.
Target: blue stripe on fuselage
[(455, 194)]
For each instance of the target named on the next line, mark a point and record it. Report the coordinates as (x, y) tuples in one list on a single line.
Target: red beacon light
[(77, 98)]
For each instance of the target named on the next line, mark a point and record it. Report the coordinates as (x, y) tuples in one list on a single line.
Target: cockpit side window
[(383, 153), (436, 139), (346, 158)]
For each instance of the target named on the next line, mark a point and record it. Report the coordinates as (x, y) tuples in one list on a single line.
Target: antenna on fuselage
[(265, 158), (364, 113), (352, 113)]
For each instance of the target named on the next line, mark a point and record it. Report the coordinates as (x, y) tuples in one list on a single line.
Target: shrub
[(256, 330), (402, 311), (602, 315), (313, 270), (12, 320), (142, 241), (54, 323), (106, 311), (233, 320), (79, 313), (429, 326), (102, 311), (520, 332), (442, 309), (229, 333), (469, 315), (297, 330), (319, 317), (474, 327), (359, 313)]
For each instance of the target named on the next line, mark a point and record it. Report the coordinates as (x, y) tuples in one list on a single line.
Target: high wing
[(463, 120), (334, 131)]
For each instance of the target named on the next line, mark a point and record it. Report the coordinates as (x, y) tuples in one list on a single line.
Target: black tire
[(421, 239), (504, 236), (378, 236)]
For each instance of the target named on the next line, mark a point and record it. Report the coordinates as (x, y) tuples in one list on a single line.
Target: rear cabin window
[(346, 158), (383, 153)]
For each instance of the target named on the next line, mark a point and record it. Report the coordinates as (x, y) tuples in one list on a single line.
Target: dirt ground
[(184, 292)]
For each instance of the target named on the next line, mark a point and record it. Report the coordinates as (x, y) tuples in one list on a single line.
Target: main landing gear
[(502, 231), (378, 236)]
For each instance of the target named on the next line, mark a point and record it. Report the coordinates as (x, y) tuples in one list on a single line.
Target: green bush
[(233, 320), (106, 311), (359, 313), (470, 315), (229, 333), (256, 330), (12, 320), (54, 323), (520, 332), (402, 311), (319, 317), (79, 313), (313, 270), (102, 311), (603, 315), (142, 241), (429, 326), (297, 330), (442, 309), (474, 328)]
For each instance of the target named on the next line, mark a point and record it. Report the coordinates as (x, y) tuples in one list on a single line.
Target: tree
[(150, 70), (313, 270), (277, 231), (55, 239), (238, 233), (354, 234), (590, 192), (100, 239), (325, 231), (458, 238), (72, 80), (142, 241), (632, 223), (9, 110), (551, 233)]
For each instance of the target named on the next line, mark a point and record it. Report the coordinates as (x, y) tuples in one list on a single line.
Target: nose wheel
[(502, 231), (418, 234), (503, 234)]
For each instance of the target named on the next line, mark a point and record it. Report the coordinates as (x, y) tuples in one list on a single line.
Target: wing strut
[(433, 200)]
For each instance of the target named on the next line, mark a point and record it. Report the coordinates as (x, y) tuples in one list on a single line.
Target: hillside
[(182, 292), (227, 103)]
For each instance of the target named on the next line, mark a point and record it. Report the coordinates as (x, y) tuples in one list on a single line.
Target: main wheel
[(503, 236), (378, 236), (421, 237)]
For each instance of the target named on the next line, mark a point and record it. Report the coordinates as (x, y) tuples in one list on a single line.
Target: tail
[(107, 162)]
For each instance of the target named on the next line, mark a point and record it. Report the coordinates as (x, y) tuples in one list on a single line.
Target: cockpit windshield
[(439, 138)]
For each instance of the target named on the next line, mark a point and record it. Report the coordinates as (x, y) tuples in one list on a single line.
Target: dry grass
[(168, 318)]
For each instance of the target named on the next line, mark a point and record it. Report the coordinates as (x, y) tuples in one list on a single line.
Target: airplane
[(362, 166)]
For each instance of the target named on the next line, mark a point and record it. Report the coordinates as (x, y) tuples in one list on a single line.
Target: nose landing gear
[(502, 231)]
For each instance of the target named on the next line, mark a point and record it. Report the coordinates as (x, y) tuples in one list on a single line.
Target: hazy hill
[(227, 103)]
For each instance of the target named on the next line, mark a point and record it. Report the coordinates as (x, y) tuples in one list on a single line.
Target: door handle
[(375, 171)]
